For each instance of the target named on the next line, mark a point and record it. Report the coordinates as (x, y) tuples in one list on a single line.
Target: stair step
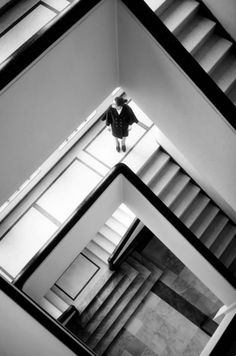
[(196, 33), (110, 234), (98, 251), (104, 243), (148, 264), (214, 229), (232, 94), (125, 315), (102, 296), (93, 162), (225, 73), (56, 301), (164, 178), (161, 6), (184, 200), (229, 255), (223, 240), (123, 217), (141, 152), (98, 324), (126, 210), (195, 209), (176, 186), (116, 225), (178, 13), (50, 308), (212, 52), (158, 162), (204, 219)]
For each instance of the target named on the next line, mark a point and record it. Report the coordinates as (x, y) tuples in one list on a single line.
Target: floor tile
[(69, 190)]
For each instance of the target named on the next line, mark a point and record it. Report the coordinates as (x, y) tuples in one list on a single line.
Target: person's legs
[(117, 144), (123, 144)]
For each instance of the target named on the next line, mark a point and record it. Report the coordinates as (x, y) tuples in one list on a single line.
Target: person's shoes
[(118, 148), (123, 148)]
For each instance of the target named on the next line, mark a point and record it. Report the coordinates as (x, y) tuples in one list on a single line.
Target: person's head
[(119, 101)]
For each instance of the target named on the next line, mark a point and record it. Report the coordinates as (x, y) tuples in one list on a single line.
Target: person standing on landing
[(119, 116)]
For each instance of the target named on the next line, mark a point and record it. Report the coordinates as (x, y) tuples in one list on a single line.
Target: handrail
[(122, 169), (6, 273), (122, 243), (52, 325), (227, 343), (183, 58)]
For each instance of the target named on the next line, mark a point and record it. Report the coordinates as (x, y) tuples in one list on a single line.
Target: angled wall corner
[(191, 129)]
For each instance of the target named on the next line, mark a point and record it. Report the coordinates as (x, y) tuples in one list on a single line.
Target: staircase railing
[(123, 170), (183, 58)]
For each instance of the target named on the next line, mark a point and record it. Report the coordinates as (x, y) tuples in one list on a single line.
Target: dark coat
[(119, 122)]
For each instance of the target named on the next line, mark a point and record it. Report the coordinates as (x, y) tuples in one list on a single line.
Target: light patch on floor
[(77, 276), (59, 5), (24, 240), (69, 191), (104, 149)]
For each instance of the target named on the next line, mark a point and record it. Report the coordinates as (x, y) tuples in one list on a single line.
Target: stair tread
[(195, 209), (213, 50), (225, 74), (98, 251), (161, 6), (56, 301), (195, 33), (204, 219), (232, 94), (104, 243), (177, 13), (116, 225), (126, 210), (126, 313), (177, 184), (110, 234), (164, 178), (223, 240), (50, 308), (123, 217), (213, 230), (101, 297), (160, 159), (147, 263), (229, 254), (183, 201), (98, 325)]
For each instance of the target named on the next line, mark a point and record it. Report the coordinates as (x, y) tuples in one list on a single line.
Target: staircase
[(100, 322), (199, 35)]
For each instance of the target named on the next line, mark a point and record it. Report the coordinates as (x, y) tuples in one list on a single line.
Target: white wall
[(21, 335), (225, 12), (75, 241), (44, 105), (195, 130)]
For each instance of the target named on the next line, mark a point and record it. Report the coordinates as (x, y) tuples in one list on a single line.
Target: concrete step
[(126, 210), (223, 239), (163, 179), (225, 73), (229, 255), (104, 243), (212, 52), (232, 94), (107, 313), (212, 232), (177, 185), (155, 166), (178, 14), (98, 251), (110, 234), (116, 225), (195, 33), (194, 209), (161, 5), (50, 308), (123, 217), (54, 299), (184, 200), (204, 219)]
